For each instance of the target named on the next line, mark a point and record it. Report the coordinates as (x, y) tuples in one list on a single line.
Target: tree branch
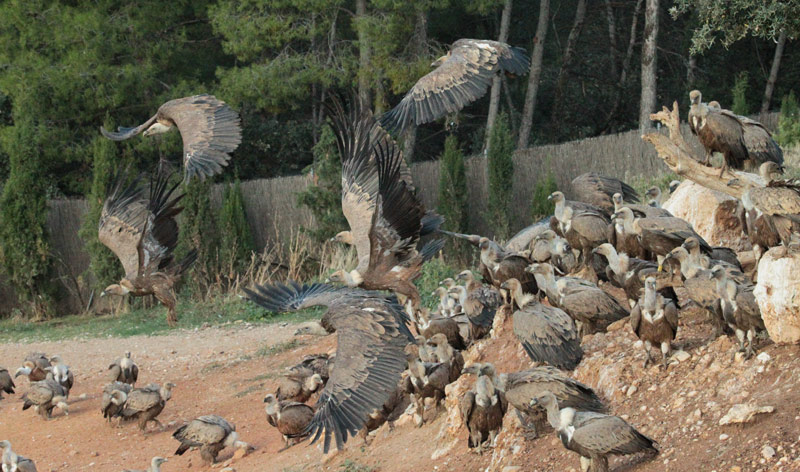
[(678, 156)]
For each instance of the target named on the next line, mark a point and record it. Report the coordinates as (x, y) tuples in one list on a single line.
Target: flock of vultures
[(394, 355)]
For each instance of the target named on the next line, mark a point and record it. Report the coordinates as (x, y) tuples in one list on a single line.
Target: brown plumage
[(739, 308), (113, 403), (718, 253), (292, 419), (448, 327), (597, 190), (482, 408), (391, 411), (372, 332), (561, 203), (384, 214), (143, 233), (427, 380), (546, 333), (526, 236), (320, 364), (12, 462), (298, 385), (34, 366), (45, 395), (657, 236), (210, 130), (124, 370), (772, 213), (639, 211), (629, 273), (594, 435), (444, 353), (481, 302), (584, 231), (155, 465), (6, 382), (145, 404), (209, 433), (582, 300), (62, 373), (654, 320), (461, 76)]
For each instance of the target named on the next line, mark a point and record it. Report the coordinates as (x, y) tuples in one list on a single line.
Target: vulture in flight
[(462, 76), (384, 214), (209, 127), (740, 139), (597, 190), (372, 333), (143, 233)]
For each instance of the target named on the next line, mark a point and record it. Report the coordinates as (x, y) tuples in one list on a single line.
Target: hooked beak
[(549, 197), (534, 402)]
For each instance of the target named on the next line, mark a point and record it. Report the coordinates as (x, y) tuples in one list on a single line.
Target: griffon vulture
[(292, 419), (480, 304), (772, 213), (13, 462), (45, 395), (654, 319), (114, 396), (34, 366), (372, 333), (145, 404), (210, 130), (124, 370), (597, 190), (461, 76), (6, 382), (739, 308), (143, 233), (629, 274), (298, 385), (210, 433), (482, 408)]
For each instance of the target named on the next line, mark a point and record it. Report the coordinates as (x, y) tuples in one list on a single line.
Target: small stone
[(723, 437), (681, 356), (82, 396), (228, 469), (767, 452), (738, 357), (631, 390), (743, 413), (95, 454), (512, 468), (73, 452), (736, 468)]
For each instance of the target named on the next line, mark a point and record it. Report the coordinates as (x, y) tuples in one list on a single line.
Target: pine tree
[(235, 236), (453, 205), (501, 176)]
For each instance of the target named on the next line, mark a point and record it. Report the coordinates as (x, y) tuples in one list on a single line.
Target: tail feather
[(431, 248), (187, 262), (431, 223)]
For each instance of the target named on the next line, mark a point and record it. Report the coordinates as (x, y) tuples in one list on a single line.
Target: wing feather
[(548, 335), (122, 221)]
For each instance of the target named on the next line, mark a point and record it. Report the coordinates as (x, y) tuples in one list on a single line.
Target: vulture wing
[(609, 434), (723, 133), (784, 201), (597, 190), (210, 130), (548, 335), (122, 220), (160, 235), (523, 386), (209, 429), (522, 240), (758, 140), (462, 78), (636, 317), (141, 400)]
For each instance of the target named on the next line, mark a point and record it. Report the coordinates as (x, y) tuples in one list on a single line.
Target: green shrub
[(501, 175), (540, 205), (235, 236), (740, 90), (199, 231), (453, 204), (789, 122)]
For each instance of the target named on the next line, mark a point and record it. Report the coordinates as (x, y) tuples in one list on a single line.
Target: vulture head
[(556, 197), (448, 282), (56, 360), (483, 243), (345, 237), (439, 292), (695, 97), (115, 289), (617, 199), (232, 440), (679, 254), (718, 272), (272, 404), (653, 192), (166, 391), (457, 291), (562, 248), (541, 269), (624, 214), (650, 284), (118, 397), (465, 275), (312, 327), (26, 369), (156, 462), (548, 235), (674, 185), (511, 284), (690, 243), (157, 128), (314, 382), (769, 169), (714, 105), (544, 400), (440, 60)]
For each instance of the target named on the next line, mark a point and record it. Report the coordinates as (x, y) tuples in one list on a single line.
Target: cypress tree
[(789, 122), (199, 231), (453, 192), (740, 88), (501, 175), (235, 236)]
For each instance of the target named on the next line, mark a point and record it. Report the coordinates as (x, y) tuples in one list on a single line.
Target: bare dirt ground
[(227, 371)]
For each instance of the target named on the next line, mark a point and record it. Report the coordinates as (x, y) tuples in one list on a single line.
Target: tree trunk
[(612, 37), (409, 136), (773, 73), (566, 62), (691, 70), (626, 63), (534, 74), (494, 100), (363, 53), (647, 104)]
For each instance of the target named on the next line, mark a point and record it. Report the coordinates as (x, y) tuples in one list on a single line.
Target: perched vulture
[(145, 404), (292, 419), (480, 304), (124, 370), (546, 333), (526, 236), (593, 435), (372, 332), (320, 364), (447, 327), (447, 304), (584, 230), (657, 236), (597, 190), (210, 433), (62, 374), (143, 233), (587, 304), (114, 396), (739, 139), (653, 195), (6, 382), (298, 385), (444, 353), (491, 252), (13, 462), (155, 465), (45, 395), (391, 411), (34, 366), (772, 213), (719, 254), (482, 408), (461, 76), (629, 274), (654, 319), (210, 130), (739, 308), (384, 214), (427, 380), (639, 211), (561, 204), (522, 387)]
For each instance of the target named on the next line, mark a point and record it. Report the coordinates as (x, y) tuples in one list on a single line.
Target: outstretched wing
[(292, 296), (122, 221), (210, 130), (160, 235), (461, 79), (370, 357)]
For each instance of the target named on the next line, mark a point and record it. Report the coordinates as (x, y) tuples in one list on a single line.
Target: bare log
[(678, 156)]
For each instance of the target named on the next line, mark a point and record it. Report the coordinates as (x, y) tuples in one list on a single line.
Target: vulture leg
[(420, 412), (528, 427), (647, 358), (599, 464), (665, 350), (751, 334), (167, 298)]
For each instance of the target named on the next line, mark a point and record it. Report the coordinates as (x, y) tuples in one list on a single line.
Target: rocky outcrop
[(778, 295), (711, 213)]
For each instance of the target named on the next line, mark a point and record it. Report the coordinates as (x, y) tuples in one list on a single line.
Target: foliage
[(541, 207), (433, 272), (453, 202), (732, 20), (740, 92), (789, 122), (199, 231), (324, 198), (501, 176), (23, 217), (235, 237)]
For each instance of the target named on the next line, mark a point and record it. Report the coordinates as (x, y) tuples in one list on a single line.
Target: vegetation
[(235, 238), (501, 176), (199, 231), (740, 104), (453, 201), (789, 124), (541, 207)]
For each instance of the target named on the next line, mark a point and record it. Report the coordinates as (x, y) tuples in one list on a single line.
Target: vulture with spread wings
[(461, 76), (209, 127), (372, 333), (385, 216), (143, 233)]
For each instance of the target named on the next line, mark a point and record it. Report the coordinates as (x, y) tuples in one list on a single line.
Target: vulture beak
[(328, 280), (549, 197), (103, 293), (781, 169), (534, 402)]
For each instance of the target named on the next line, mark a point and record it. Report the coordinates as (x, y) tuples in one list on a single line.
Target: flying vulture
[(482, 408), (45, 395), (384, 214), (124, 370), (143, 233), (210, 130), (210, 433), (597, 190), (593, 435), (739, 139), (12, 462), (34, 366), (772, 213), (654, 319), (6, 382), (145, 404), (739, 308), (155, 465), (372, 332), (461, 76)]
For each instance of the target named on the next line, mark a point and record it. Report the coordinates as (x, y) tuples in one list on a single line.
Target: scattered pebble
[(723, 437), (681, 356), (631, 390), (767, 452), (763, 358)]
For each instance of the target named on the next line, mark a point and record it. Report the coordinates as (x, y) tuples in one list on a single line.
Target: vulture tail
[(430, 223), (431, 248)]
